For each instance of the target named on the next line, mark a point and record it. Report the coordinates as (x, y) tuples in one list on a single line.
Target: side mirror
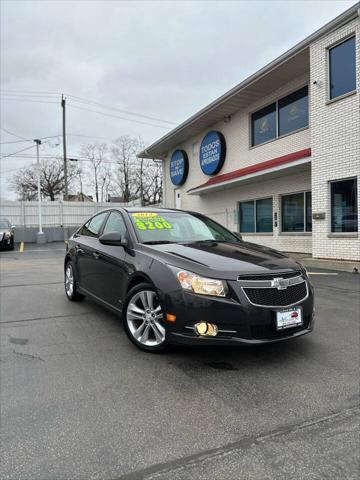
[(12, 227), (238, 235), (113, 238)]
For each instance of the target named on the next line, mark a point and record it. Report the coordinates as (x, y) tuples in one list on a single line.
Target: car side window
[(115, 223), (93, 226)]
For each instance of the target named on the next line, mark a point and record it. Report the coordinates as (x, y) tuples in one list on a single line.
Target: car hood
[(224, 260)]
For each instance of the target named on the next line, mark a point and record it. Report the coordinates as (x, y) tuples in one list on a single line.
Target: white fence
[(54, 214)]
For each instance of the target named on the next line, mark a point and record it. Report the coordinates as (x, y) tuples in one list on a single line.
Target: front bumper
[(6, 242), (238, 320)]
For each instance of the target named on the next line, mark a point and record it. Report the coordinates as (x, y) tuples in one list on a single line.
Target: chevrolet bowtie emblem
[(280, 283)]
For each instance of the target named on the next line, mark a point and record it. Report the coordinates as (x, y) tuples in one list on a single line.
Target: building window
[(342, 68), (281, 117), (296, 212), (256, 216), (264, 125), (293, 111), (344, 206)]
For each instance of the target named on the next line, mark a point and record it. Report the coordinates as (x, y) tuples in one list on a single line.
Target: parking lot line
[(323, 273), (22, 246)]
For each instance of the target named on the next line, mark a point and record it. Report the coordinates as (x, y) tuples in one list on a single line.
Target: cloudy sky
[(159, 61)]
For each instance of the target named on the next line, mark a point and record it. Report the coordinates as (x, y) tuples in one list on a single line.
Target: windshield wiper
[(157, 242)]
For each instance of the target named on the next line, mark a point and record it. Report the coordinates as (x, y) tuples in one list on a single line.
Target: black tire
[(12, 245), (71, 293), (152, 325)]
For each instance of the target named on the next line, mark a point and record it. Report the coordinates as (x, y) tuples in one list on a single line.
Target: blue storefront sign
[(212, 152), (179, 167)]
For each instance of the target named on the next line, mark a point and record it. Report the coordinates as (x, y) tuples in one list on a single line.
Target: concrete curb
[(341, 266)]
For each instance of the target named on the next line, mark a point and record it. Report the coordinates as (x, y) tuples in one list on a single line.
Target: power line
[(116, 116), (15, 141), (11, 133), (25, 139), (25, 95), (87, 109), (26, 100), (58, 157), (15, 153), (93, 103), (88, 136), (32, 93)]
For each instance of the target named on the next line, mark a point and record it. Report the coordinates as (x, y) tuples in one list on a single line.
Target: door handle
[(96, 255)]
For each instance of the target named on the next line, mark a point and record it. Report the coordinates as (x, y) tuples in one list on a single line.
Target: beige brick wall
[(334, 137), (221, 205), (238, 154), (335, 144)]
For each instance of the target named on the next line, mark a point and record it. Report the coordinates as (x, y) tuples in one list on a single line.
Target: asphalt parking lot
[(79, 401)]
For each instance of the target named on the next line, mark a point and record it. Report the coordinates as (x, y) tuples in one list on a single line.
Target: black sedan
[(6, 234), (179, 277)]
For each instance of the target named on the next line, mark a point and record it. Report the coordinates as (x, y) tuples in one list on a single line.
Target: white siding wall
[(335, 144)]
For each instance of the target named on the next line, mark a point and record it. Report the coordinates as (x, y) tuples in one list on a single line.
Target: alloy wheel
[(69, 281), (144, 318)]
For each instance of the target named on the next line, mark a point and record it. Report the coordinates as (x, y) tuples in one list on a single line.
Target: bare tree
[(151, 173), (52, 181), (95, 153), (124, 152), (106, 181)]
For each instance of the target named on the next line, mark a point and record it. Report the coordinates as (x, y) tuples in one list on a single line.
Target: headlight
[(7, 234), (204, 286)]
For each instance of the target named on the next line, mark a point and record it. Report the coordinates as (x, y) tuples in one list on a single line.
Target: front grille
[(269, 277), (272, 297)]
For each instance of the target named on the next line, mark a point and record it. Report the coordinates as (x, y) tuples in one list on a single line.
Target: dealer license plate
[(288, 318)]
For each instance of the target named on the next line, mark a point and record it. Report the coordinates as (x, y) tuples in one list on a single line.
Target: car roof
[(151, 209)]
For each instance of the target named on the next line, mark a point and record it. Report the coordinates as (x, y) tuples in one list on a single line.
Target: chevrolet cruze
[(178, 277)]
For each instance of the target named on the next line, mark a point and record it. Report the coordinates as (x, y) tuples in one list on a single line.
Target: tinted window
[(342, 68), (93, 226), (256, 216), (296, 212), (247, 217), (308, 203), (115, 223), (293, 213), (344, 206), (264, 124), (264, 215), (293, 111)]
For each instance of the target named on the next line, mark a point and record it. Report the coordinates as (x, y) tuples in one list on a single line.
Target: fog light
[(206, 329)]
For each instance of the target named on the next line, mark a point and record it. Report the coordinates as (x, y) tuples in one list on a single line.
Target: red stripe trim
[(256, 168)]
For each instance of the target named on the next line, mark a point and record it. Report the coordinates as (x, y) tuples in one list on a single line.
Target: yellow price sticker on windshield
[(144, 214), (153, 223)]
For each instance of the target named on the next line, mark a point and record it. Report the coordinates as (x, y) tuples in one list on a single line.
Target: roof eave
[(156, 151)]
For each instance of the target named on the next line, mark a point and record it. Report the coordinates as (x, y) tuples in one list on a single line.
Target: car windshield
[(4, 224), (178, 227)]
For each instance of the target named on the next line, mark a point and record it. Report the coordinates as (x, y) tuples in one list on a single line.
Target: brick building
[(277, 158)]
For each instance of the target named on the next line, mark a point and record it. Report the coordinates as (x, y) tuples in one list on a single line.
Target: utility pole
[(63, 105), (40, 236)]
